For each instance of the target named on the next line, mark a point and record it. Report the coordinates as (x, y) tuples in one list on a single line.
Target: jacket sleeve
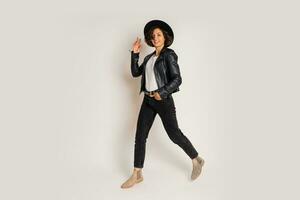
[(175, 77), (136, 70)]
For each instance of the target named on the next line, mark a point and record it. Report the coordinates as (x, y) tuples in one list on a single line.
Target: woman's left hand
[(157, 96)]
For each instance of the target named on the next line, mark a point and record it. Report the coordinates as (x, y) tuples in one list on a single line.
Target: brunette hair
[(168, 38)]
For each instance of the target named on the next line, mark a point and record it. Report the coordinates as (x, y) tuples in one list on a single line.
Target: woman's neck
[(158, 50)]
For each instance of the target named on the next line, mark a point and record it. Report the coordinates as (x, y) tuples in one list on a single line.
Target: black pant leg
[(167, 112), (145, 120)]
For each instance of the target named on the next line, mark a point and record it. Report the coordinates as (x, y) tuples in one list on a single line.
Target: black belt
[(150, 93)]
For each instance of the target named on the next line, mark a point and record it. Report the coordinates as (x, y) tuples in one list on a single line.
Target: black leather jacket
[(166, 70)]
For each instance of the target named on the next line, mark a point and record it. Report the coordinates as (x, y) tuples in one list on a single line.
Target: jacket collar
[(160, 55), (162, 51)]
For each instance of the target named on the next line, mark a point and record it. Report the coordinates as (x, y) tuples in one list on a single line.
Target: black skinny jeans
[(167, 112)]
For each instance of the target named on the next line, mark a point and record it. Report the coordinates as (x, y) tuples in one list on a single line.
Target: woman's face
[(158, 38)]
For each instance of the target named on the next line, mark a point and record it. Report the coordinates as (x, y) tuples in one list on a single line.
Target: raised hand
[(137, 45)]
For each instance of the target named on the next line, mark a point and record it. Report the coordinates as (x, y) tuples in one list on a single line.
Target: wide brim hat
[(161, 24)]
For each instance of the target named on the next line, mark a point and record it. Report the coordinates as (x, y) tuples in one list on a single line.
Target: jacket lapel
[(160, 55)]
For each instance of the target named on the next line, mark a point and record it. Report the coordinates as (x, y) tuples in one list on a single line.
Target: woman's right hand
[(137, 45)]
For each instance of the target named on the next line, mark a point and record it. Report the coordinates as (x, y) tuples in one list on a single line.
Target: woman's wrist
[(130, 50)]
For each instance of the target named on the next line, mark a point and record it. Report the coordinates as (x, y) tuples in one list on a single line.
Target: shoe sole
[(140, 180)]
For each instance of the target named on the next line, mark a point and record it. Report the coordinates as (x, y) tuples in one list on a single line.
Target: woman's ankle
[(137, 169), (194, 160)]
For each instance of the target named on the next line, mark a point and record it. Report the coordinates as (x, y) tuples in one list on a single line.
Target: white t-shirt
[(149, 75)]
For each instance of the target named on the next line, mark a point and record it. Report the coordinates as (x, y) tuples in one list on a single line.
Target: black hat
[(161, 24)]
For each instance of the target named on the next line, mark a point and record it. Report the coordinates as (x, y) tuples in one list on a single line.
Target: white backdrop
[(69, 104)]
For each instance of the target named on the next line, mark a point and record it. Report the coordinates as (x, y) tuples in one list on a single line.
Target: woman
[(160, 78)]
